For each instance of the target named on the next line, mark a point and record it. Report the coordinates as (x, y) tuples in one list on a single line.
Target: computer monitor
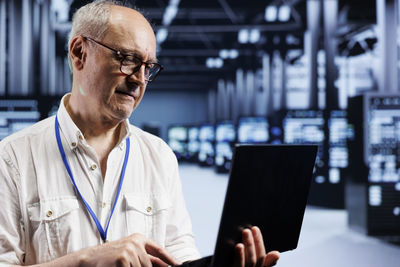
[(382, 152), (177, 140), (253, 130), (16, 115), (339, 131), (305, 127), (225, 131), (225, 135), (373, 175), (206, 147), (193, 143)]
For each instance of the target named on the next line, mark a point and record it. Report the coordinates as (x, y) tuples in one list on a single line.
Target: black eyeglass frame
[(123, 57)]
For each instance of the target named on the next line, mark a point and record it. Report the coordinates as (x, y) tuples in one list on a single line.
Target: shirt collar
[(74, 136)]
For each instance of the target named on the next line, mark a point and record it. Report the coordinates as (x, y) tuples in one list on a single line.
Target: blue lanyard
[(103, 233)]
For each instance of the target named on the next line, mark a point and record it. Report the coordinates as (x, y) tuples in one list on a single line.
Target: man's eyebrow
[(136, 54)]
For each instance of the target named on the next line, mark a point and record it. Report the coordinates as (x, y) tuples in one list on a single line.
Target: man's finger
[(157, 262), (271, 259), (250, 250), (144, 260), (239, 255), (154, 249), (258, 242)]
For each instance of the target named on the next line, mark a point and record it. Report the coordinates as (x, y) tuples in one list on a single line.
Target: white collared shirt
[(41, 216)]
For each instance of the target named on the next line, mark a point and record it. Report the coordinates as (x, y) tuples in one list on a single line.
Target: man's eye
[(129, 60), (149, 66)]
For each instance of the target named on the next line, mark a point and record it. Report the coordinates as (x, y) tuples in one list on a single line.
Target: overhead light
[(271, 12), (61, 8), (254, 36), (233, 53), (210, 62), (224, 53), (169, 15), (218, 62), (284, 13), (161, 35), (214, 62), (243, 36)]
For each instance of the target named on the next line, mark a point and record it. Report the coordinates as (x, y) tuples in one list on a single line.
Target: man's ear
[(77, 52)]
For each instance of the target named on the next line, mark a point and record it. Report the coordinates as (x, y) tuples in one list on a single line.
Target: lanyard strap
[(103, 233)]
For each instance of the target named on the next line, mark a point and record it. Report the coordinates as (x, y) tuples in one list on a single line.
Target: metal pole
[(387, 41), (26, 49), (283, 82), (211, 106), (44, 47), (265, 81), (311, 48), (239, 92), (330, 8), (3, 39), (14, 48), (249, 107)]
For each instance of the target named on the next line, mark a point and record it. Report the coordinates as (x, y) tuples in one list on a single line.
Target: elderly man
[(86, 188)]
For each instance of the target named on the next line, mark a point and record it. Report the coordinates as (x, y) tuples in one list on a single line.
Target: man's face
[(110, 92)]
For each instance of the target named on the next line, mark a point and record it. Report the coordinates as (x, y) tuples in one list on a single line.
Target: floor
[(325, 239)]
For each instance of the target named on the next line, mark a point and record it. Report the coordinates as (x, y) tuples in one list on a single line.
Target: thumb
[(271, 259)]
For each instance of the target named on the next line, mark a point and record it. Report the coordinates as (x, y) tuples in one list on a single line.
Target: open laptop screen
[(268, 187)]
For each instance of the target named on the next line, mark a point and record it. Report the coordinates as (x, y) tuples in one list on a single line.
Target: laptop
[(268, 187)]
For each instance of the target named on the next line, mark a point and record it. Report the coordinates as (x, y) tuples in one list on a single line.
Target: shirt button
[(80, 137), (104, 205), (93, 167), (149, 209), (49, 213), (73, 144)]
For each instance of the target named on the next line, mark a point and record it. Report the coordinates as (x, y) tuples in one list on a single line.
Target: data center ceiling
[(203, 41)]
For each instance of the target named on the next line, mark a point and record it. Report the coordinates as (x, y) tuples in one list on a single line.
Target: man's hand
[(133, 251), (251, 252)]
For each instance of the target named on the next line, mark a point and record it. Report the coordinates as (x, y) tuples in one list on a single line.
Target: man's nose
[(139, 75)]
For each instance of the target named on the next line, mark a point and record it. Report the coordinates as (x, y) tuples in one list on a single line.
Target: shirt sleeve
[(179, 236), (11, 224)]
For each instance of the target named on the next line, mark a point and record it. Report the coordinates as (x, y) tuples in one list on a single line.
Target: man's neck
[(93, 127), (102, 135)]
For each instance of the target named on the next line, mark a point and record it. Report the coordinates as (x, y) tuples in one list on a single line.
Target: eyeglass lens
[(131, 64)]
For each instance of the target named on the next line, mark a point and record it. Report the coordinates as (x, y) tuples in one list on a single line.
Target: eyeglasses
[(130, 64)]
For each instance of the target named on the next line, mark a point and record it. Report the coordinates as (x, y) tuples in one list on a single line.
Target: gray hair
[(92, 20)]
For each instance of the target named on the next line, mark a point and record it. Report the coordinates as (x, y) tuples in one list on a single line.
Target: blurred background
[(272, 71)]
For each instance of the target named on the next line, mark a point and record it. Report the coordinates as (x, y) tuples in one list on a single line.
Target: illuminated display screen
[(177, 133), (307, 127), (206, 153), (225, 132), (177, 146), (177, 140), (16, 115), (206, 146), (193, 133), (383, 142), (373, 174), (193, 140), (225, 136), (253, 130), (206, 132), (303, 127), (338, 133)]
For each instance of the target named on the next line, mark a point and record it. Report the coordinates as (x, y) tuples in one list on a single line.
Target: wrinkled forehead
[(131, 31)]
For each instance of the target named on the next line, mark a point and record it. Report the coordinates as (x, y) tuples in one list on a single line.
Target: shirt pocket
[(54, 224), (147, 215)]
